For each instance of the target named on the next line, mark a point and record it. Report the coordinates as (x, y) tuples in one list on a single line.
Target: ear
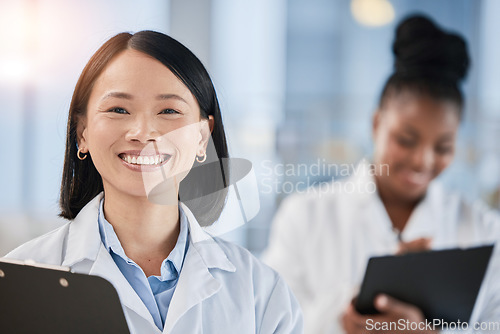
[(206, 128), (376, 119), (81, 134)]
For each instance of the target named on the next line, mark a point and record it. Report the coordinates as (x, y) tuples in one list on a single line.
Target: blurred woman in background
[(321, 242)]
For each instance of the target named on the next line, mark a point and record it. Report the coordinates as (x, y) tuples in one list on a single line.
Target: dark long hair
[(81, 181), (428, 61)]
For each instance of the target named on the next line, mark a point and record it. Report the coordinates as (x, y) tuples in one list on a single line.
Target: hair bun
[(423, 50)]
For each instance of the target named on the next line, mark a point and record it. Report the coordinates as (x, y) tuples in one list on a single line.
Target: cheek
[(389, 151), (100, 132), (186, 140)]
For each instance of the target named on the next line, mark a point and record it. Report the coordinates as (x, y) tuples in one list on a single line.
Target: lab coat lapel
[(85, 253), (105, 267), (196, 283), (426, 217)]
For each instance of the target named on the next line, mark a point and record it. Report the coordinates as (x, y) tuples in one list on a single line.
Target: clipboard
[(443, 284), (50, 299)]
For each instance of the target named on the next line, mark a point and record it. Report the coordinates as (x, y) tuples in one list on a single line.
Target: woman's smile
[(144, 163), (415, 179)]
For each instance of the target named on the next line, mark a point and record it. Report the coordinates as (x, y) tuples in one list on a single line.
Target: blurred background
[(298, 82)]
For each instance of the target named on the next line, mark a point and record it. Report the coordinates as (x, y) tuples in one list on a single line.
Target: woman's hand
[(414, 246), (392, 311)]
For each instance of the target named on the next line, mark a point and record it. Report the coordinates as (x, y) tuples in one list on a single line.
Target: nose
[(423, 158), (142, 129)]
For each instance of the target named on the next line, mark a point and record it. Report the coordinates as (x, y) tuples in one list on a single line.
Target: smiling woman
[(136, 69), (143, 117)]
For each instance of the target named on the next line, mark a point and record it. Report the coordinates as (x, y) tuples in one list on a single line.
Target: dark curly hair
[(428, 61)]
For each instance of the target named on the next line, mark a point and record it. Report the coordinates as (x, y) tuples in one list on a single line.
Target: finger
[(397, 309), (423, 244), (418, 245), (428, 243), (348, 325), (354, 318)]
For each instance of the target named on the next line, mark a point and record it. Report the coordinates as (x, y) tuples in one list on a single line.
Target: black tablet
[(443, 284), (42, 300)]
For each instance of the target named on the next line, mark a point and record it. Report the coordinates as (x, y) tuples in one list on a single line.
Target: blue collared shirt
[(155, 291)]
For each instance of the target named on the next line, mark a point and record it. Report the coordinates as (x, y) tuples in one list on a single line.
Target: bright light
[(16, 56), (373, 13), (14, 70)]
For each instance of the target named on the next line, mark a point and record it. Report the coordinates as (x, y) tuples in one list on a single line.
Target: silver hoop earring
[(78, 154), (204, 157)]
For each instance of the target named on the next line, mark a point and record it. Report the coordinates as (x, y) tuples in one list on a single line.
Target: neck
[(147, 232), (399, 209)]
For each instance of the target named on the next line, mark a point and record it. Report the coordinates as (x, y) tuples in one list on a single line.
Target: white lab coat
[(222, 288), (321, 242)]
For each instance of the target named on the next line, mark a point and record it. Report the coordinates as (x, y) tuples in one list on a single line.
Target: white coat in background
[(321, 241), (222, 288)]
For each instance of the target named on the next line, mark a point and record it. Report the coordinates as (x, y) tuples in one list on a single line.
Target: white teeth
[(144, 160)]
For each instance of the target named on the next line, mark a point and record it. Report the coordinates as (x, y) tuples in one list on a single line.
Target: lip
[(144, 168), (143, 152)]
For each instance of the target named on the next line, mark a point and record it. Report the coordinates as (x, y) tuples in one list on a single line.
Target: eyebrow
[(128, 96), (411, 130), (445, 137)]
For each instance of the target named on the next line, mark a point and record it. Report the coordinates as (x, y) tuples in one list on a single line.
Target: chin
[(129, 189), (412, 195)]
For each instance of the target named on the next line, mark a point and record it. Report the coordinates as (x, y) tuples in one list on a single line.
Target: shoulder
[(319, 205), (455, 201), (47, 248), (325, 194), (309, 202), (246, 263), (473, 216), (252, 273), (275, 306)]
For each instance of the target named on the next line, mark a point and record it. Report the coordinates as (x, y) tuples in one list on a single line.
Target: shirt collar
[(84, 241), (422, 221), (175, 259)]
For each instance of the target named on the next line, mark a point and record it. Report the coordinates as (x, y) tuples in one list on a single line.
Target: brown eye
[(169, 112), (444, 149), (118, 110)]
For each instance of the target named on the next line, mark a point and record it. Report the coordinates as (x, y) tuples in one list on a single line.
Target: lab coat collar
[(211, 253), (84, 241), (362, 179), (427, 215), (83, 236), (195, 284)]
